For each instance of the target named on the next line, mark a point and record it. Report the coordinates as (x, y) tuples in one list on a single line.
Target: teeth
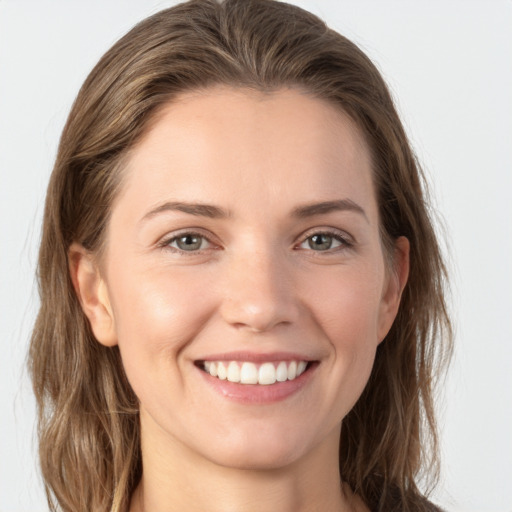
[(267, 374), (249, 373), (282, 372), (292, 370), (233, 372), (221, 371), (211, 368)]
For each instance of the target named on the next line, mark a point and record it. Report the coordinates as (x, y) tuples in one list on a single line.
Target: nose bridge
[(258, 291)]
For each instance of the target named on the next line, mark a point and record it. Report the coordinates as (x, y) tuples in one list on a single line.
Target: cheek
[(347, 306), (156, 315), (348, 311)]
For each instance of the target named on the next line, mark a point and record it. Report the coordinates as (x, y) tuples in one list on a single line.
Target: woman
[(241, 290)]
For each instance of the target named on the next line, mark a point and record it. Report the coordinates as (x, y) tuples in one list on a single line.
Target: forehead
[(232, 145)]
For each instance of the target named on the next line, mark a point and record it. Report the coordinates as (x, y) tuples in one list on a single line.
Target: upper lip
[(257, 357)]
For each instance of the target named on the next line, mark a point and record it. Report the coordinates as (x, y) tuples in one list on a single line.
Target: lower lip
[(257, 393)]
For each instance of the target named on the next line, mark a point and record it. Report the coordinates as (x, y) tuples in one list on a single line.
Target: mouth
[(251, 373)]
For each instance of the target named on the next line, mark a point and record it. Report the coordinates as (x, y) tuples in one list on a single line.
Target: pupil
[(189, 242), (320, 242)]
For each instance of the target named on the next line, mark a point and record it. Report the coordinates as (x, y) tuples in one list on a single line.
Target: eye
[(188, 242), (323, 242)]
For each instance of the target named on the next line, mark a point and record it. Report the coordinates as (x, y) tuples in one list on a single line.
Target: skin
[(257, 284)]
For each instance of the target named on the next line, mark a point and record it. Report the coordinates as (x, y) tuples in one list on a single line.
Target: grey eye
[(321, 242), (189, 242)]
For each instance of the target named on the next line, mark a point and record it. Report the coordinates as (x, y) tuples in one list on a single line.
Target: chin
[(263, 451), (253, 460)]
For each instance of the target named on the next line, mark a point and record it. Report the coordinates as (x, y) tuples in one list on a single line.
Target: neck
[(176, 479)]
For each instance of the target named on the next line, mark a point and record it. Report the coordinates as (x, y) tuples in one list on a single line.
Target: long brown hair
[(88, 413)]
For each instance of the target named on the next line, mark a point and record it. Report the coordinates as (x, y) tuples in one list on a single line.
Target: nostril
[(258, 319), (257, 296)]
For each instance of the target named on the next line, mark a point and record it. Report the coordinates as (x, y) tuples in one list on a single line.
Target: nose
[(258, 292)]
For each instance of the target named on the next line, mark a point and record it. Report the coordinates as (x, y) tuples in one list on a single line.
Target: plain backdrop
[(449, 65)]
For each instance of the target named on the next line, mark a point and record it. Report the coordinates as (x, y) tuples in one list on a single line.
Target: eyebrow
[(199, 209), (215, 212), (324, 207)]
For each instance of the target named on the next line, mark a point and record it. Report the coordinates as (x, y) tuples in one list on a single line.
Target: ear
[(91, 290), (392, 292)]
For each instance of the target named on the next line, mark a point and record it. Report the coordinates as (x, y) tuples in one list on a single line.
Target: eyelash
[(166, 243), (344, 242), (337, 236)]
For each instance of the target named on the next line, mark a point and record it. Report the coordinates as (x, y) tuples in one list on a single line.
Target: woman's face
[(244, 245)]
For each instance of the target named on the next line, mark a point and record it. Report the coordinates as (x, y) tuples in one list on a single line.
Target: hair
[(88, 420)]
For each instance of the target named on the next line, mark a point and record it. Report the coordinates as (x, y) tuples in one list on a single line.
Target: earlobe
[(397, 279), (92, 293)]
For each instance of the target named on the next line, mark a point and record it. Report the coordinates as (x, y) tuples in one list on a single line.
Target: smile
[(247, 372)]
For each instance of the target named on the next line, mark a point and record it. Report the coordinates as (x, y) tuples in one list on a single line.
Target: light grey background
[(449, 64)]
